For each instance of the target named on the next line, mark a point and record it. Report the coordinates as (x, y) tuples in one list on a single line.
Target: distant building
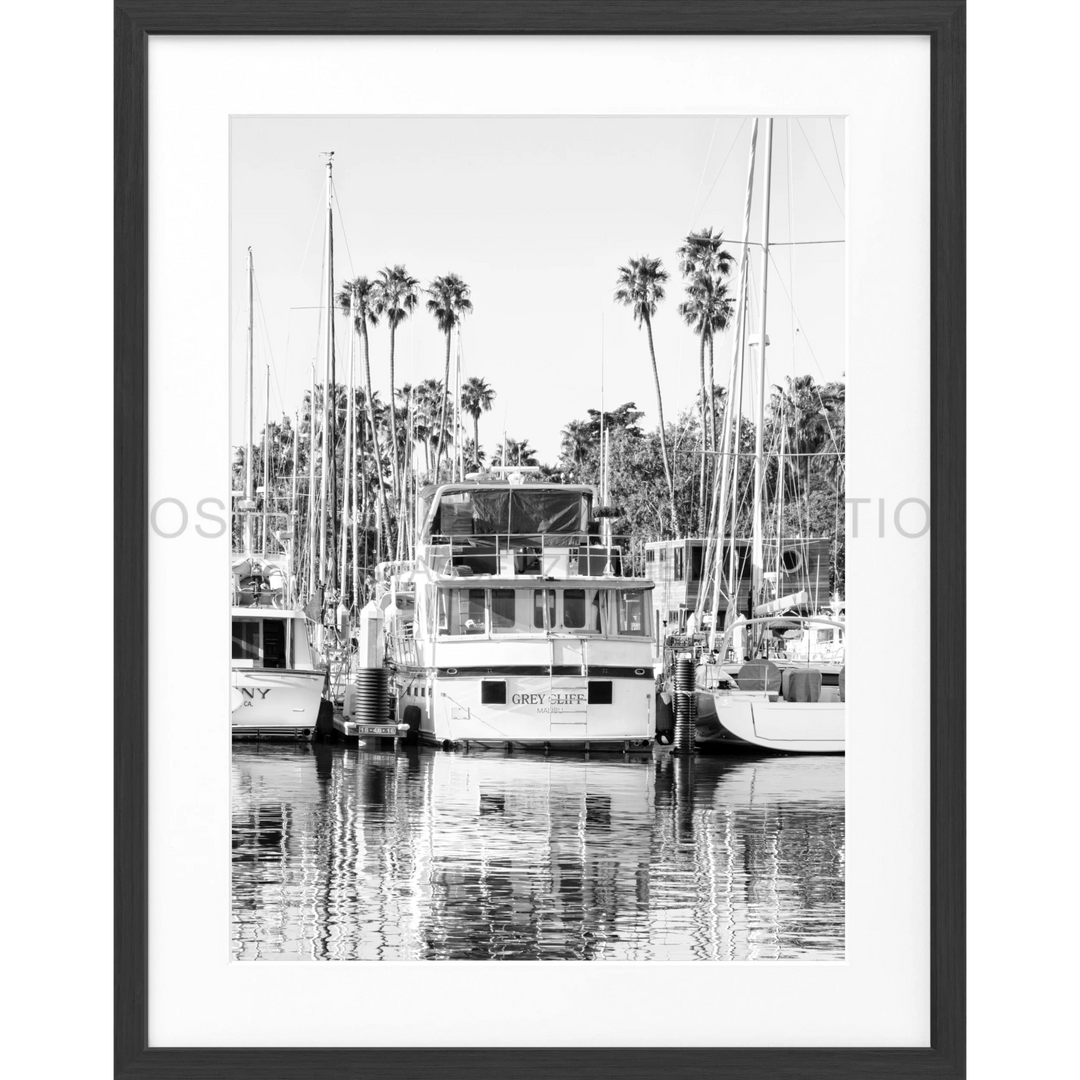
[(676, 568)]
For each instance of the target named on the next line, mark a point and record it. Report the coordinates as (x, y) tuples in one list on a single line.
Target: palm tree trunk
[(442, 419), (476, 438), (393, 420), (663, 432), (374, 435), (712, 405), (704, 438)]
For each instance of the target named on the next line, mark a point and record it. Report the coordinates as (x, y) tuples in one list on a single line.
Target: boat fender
[(324, 722)]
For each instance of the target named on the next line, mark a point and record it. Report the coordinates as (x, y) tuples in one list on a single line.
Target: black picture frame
[(943, 21)]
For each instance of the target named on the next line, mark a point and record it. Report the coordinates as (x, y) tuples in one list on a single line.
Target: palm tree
[(396, 295), (473, 453), (578, 439), (426, 408), (448, 301), (476, 397), (357, 298), (704, 262), (641, 288), (707, 309), (515, 452)]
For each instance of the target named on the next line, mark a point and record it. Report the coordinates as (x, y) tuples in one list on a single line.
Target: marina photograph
[(537, 584)]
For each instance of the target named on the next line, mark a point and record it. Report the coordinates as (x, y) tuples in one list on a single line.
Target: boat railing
[(527, 555), (401, 647), (261, 582), (386, 571), (710, 653)]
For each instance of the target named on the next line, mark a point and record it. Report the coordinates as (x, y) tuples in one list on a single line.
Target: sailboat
[(745, 699), (276, 688)]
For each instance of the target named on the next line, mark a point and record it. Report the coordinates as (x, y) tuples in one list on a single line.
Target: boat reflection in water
[(348, 854)]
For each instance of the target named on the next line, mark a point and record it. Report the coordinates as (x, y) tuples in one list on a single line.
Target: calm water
[(357, 855)]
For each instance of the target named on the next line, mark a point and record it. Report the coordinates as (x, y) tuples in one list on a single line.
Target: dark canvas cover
[(759, 675), (802, 684)]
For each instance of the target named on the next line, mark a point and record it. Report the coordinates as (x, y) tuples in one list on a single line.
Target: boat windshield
[(519, 512)]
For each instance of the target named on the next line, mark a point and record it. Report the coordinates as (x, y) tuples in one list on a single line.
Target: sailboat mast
[(757, 554), (266, 471), (731, 427), (358, 507), (346, 478), (249, 434), (454, 421), (311, 490), (294, 520), (329, 272)]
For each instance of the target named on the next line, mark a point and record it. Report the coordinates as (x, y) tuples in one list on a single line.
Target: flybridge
[(498, 508), (501, 528)]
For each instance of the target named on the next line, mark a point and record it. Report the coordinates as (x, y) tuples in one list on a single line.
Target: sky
[(536, 214)]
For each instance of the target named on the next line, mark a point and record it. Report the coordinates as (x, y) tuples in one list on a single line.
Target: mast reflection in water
[(342, 854)]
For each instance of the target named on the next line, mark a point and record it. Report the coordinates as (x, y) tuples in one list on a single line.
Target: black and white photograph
[(538, 526)]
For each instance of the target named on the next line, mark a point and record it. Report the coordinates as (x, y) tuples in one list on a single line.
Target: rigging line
[(341, 222), (836, 150), (792, 243), (798, 320), (266, 338), (791, 234), (704, 166), (311, 232), (820, 169), (809, 345), (717, 177)]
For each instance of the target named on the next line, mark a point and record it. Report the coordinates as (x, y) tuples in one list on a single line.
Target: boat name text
[(556, 699)]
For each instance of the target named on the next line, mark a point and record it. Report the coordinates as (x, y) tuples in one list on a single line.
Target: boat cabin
[(676, 566), (502, 608), (512, 529), (270, 639)]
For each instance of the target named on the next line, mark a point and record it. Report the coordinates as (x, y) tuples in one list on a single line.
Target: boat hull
[(746, 722), (275, 701), (528, 710)]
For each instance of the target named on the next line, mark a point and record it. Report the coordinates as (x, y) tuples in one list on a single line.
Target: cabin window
[(245, 639), (696, 555), (581, 610), (492, 692), (504, 612), (542, 598), (574, 609), (678, 556), (462, 611), (274, 643), (631, 613), (600, 691), (650, 555)]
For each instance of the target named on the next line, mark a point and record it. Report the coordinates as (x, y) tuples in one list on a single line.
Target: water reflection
[(348, 854)]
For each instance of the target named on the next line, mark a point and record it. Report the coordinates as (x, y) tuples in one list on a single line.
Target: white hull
[(738, 720), (275, 701), (538, 710)]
